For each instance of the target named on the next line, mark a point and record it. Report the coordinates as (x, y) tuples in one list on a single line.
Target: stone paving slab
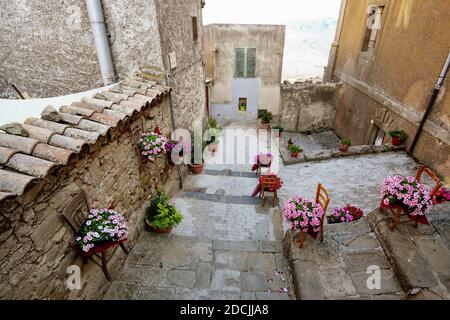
[(223, 185), (202, 269), (421, 258)]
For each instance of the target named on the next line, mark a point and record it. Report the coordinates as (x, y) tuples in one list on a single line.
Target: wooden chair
[(269, 183), (75, 214), (323, 199), (399, 210)]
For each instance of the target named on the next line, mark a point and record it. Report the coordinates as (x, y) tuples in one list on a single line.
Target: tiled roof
[(30, 151)]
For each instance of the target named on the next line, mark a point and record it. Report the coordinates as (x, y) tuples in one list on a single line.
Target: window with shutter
[(245, 63), (194, 29), (240, 63), (251, 63)]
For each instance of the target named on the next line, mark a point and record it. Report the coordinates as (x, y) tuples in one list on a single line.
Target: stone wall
[(187, 79), (34, 239), (308, 107), (48, 50)]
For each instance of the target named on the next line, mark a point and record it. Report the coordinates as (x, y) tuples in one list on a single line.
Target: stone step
[(230, 173), (420, 259)]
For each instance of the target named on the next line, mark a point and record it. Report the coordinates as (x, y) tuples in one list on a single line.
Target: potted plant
[(101, 227), (407, 193), (196, 166), (295, 150), (346, 214), (278, 131), (161, 216), (152, 144), (264, 121), (303, 215), (398, 137), (290, 143), (345, 144), (213, 134)]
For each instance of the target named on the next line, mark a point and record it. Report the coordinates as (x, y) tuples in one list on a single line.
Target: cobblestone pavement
[(227, 247)]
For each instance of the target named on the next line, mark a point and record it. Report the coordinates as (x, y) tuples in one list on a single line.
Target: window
[(194, 29), (245, 63), (373, 27), (242, 104)]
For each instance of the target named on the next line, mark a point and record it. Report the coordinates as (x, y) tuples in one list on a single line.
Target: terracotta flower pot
[(196, 168), (294, 154), (157, 230), (396, 141), (264, 126), (344, 148)]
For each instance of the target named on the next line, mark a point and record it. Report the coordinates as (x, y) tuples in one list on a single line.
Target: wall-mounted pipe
[(95, 11), (431, 104)]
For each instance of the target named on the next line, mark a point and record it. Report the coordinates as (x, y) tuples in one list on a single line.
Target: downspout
[(335, 45), (431, 104), (95, 11)]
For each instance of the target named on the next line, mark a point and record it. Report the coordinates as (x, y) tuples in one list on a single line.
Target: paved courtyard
[(229, 247)]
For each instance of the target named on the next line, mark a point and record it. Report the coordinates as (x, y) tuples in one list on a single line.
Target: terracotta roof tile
[(53, 154), (30, 165), (6, 154), (53, 126), (14, 183), (31, 150), (76, 111), (88, 106), (69, 143), (89, 137), (22, 144)]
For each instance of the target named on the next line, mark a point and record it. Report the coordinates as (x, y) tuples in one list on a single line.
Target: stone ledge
[(413, 271), (333, 154)]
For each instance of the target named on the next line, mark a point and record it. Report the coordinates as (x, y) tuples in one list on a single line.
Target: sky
[(268, 11)]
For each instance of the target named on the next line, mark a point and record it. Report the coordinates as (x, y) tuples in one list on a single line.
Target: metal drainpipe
[(95, 11), (431, 104)]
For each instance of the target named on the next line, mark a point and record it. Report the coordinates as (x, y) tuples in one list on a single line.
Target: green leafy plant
[(212, 123), (402, 135), (279, 128), (346, 142), (161, 213), (295, 149), (265, 117)]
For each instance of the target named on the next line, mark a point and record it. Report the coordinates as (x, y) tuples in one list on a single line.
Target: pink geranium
[(408, 193), (152, 144), (303, 214)]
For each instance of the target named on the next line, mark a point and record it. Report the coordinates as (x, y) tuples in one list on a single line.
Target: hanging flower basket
[(102, 228), (152, 144), (303, 215), (346, 214), (408, 194)]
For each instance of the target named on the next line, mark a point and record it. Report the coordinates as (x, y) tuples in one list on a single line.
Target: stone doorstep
[(411, 268)]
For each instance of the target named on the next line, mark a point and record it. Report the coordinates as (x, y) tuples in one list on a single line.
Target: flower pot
[(196, 168), (157, 230), (396, 141), (264, 126), (343, 148), (294, 154)]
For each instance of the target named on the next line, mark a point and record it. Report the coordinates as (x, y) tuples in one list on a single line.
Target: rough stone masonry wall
[(34, 239), (308, 107)]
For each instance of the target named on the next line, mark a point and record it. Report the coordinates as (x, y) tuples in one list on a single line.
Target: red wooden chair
[(399, 211), (75, 214), (323, 199), (270, 183)]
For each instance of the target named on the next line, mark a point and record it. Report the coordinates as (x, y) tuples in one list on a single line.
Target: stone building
[(389, 54), (244, 66), (52, 50)]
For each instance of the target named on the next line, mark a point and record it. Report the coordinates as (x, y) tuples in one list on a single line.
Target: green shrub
[(295, 149), (161, 213), (402, 135), (346, 142), (212, 122), (279, 128)]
